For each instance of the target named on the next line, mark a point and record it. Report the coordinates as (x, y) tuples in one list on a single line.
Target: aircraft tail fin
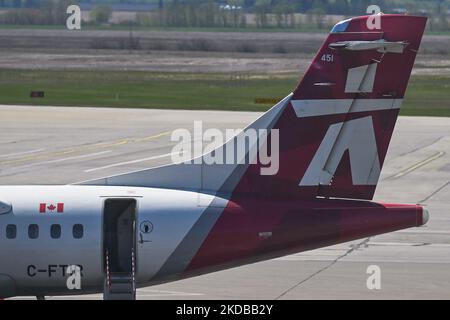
[(335, 133)]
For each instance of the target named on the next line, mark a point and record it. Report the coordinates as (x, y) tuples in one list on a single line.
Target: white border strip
[(315, 108)]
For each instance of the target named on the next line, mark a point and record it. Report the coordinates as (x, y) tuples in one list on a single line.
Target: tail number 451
[(328, 58)]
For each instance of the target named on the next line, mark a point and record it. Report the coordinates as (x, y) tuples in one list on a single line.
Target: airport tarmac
[(62, 145)]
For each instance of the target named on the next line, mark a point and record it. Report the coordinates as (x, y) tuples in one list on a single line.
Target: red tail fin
[(335, 132)]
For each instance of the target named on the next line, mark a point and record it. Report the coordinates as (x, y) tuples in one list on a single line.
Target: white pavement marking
[(141, 293), (89, 155), (152, 292), (425, 231), (63, 159), (20, 153), (402, 244), (131, 162)]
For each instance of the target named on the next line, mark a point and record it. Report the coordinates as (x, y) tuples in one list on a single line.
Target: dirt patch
[(172, 51), (270, 42), (158, 61)]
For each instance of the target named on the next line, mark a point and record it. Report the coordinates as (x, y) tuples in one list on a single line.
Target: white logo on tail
[(361, 79), (358, 137)]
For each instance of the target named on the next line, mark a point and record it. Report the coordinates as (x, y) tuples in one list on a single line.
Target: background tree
[(316, 17), (101, 14), (261, 10)]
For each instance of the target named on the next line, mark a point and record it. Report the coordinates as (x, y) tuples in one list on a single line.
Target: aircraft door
[(119, 230)]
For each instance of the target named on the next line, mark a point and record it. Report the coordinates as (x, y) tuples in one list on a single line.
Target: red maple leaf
[(51, 207)]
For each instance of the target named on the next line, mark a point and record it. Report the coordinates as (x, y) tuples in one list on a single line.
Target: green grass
[(142, 89), (427, 95)]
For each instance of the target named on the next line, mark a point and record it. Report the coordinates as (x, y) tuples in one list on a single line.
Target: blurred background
[(193, 54)]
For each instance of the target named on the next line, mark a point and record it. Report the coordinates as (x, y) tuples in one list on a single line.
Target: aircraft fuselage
[(176, 234)]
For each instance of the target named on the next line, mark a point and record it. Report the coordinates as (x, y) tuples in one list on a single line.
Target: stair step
[(121, 288), (121, 296), (121, 279)]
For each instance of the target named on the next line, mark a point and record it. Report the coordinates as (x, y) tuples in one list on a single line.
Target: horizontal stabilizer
[(379, 45)]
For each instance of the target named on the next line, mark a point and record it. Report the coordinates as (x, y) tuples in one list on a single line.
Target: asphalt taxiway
[(61, 145)]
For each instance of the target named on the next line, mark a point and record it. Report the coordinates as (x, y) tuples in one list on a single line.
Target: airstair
[(120, 286)]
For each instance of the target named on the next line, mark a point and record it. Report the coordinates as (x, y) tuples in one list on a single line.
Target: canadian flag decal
[(50, 207)]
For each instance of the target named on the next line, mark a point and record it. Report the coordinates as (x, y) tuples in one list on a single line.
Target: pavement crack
[(362, 244), (435, 193), (416, 166), (425, 244), (421, 147)]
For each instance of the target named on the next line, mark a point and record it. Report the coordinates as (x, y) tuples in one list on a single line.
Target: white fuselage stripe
[(315, 108)]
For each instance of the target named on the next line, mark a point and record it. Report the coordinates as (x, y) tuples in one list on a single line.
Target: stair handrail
[(108, 272), (133, 271)]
